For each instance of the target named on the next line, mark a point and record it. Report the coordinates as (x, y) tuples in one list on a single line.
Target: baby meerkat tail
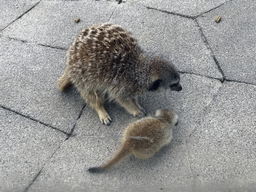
[(119, 156), (95, 170), (64, 81)]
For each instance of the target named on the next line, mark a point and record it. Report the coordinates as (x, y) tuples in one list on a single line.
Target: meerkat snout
[(176, 87), (143, 138)]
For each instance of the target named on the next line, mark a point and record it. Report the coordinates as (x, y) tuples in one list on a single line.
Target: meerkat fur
[(106, 59), (143, 138)]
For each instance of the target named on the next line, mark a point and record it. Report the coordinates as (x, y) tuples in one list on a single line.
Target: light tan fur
[(106, 59), (143, 138)]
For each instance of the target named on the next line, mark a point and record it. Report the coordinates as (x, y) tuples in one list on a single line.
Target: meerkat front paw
[(142, 113), (105, 118)]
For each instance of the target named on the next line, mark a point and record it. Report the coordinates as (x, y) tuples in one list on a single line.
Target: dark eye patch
[(155, 85)]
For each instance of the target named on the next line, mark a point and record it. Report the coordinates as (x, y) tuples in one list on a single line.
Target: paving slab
[(222, 149), (93, 144), (28, 76), (52, 22), (26, 145), (177, 38), (11, 10), (183, 7), (213, 148), (233, 39)]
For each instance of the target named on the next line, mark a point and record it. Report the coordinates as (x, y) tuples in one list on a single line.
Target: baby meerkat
[(106, 59), (143, 138)]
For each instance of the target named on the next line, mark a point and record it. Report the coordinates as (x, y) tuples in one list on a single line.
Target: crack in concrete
[(204, 112), (194, 175), (44, 45), (37, 175), (53, 47), (22, 14), (215, 78), (210, 49), (30, 118), (113, 12), (201, 33), (183, 15), (197, 74), (68, 136), (237, 81), (211, 9), (15, 39), (189, 165), (46, 161), (172, 13), (73, 128)]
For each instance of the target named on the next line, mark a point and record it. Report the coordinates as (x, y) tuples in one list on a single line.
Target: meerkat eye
[(155, 85)]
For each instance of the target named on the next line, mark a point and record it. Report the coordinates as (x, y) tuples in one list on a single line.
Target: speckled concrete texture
[(49, 139)]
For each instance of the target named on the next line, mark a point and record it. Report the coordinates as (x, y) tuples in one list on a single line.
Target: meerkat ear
[(155, 85)]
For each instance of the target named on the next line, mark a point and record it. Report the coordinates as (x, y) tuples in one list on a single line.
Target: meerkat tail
[(119, 156), (95, 170), (64, 82)]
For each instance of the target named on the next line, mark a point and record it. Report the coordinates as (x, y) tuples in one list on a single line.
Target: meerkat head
[(164, 75), (167, 115)]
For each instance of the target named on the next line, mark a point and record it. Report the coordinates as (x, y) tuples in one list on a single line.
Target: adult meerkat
[(143, 138), (106, 59)]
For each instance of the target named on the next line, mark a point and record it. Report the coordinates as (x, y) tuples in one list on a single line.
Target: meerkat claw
[(106, 121), (141, 114), (143, 111)]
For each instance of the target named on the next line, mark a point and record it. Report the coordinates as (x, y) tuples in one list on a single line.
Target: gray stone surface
[(233, 39), (213, 147), (11, 10), (196, 95), (28, 76), (67, 169), (183, 7), (222, 148), (26, 146), (94, 143), (175, 37), (52, 22)]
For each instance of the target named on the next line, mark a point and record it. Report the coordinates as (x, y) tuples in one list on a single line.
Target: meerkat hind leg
[(96, 101), (132, 106)]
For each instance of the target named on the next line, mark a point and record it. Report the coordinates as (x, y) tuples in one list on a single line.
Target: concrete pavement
[(48, 139)]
